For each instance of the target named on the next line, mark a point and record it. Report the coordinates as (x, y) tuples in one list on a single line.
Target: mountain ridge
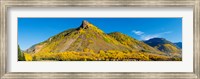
[(88, 38), (133, 43), (85, 31), (163, 45), (178, 44)]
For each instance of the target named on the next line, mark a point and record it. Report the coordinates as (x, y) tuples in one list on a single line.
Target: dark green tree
[(20, 55)]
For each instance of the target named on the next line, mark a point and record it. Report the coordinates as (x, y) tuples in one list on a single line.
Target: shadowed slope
[(163, 45)]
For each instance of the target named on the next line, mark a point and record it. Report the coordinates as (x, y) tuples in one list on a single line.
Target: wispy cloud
[(138, 32), (147, 37), (144, 36)]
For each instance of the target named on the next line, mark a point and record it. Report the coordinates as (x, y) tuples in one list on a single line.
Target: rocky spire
[(85, 24), (88, 26)]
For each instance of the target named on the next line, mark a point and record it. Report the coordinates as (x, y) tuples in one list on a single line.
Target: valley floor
[(110, 55)]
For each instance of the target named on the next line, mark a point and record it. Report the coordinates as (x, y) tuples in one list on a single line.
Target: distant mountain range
[(178, 44), (163, 45), (88, 36)]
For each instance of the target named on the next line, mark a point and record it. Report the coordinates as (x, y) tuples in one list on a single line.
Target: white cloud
[(144, 36), (138, 32), (147, 37)]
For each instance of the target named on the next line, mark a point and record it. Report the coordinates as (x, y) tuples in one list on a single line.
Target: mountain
[(133, 43), (88, 36), (178, 44), (88, 43), (163, 45)]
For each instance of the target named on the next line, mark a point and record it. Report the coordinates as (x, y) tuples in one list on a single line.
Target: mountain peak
[(85, 24), (88, 26), (158, 40), (163, 45)]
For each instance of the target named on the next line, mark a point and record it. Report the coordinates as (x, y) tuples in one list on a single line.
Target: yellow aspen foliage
[(81, 31), (86, 50), (90, 41), (102, 55), (28, 57)]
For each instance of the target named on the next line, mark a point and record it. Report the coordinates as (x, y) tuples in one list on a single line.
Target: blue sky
[(35, 30)]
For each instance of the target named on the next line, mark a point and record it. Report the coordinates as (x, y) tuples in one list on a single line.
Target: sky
[(35, 30)]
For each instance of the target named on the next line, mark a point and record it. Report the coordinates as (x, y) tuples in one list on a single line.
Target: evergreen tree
[(20, 55)]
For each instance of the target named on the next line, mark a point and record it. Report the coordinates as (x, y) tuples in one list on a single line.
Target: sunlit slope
[(133, 43), (89, 43), (86, 36), (163, 45)]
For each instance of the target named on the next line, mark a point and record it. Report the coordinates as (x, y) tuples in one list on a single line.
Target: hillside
[(163, 45), (89, 43), (178, 44), (133, 43), (86, 36), (89, 36)]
